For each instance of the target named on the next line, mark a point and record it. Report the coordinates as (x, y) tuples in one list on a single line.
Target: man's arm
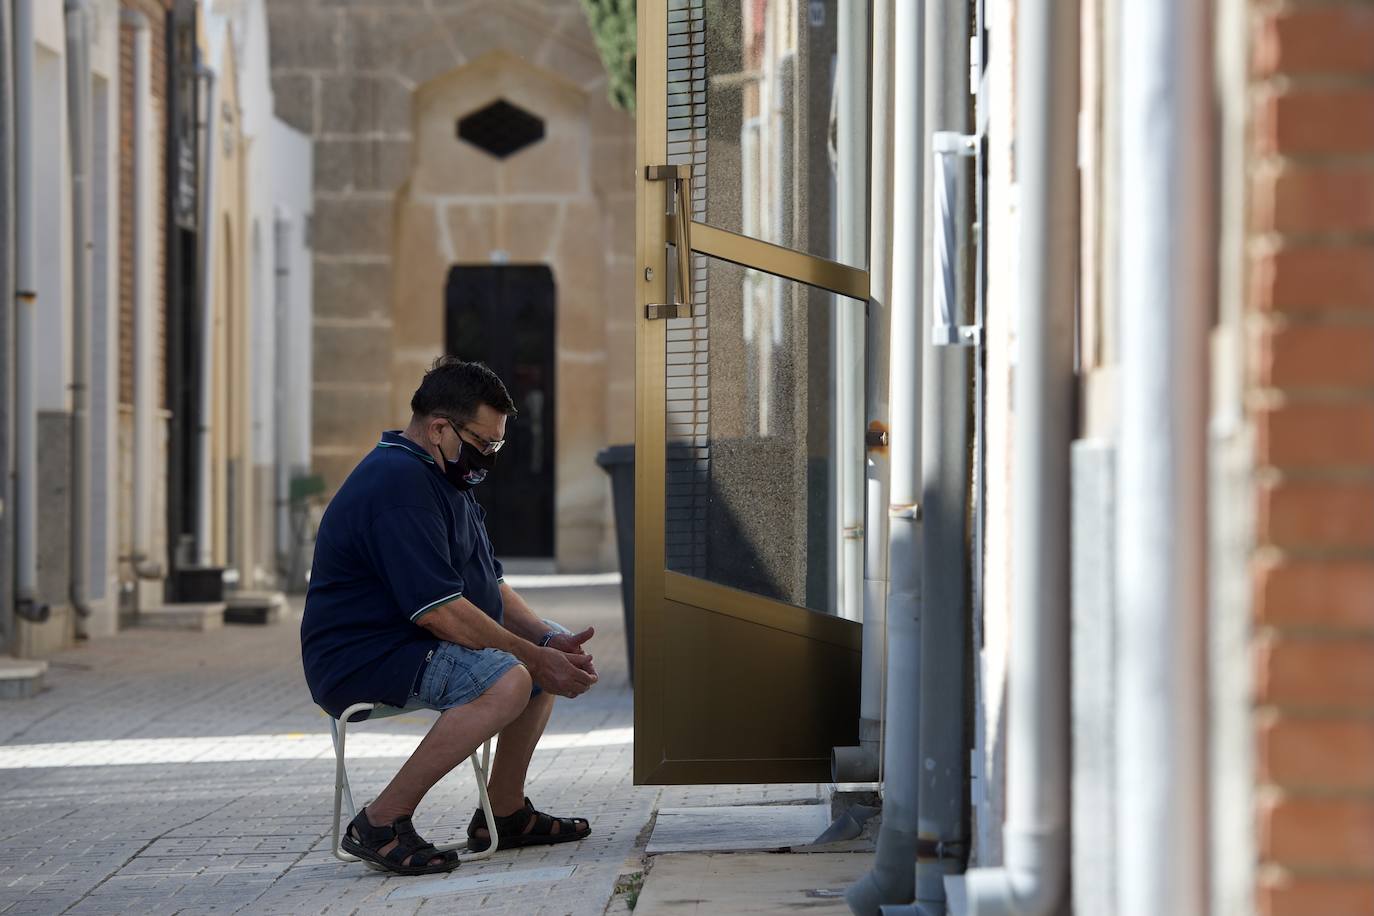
[(518, 617), (462, 622), (525, 622)]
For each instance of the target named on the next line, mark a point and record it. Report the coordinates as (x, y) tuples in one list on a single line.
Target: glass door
[(752, 289)]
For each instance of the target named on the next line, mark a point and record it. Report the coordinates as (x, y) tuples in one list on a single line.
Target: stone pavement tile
[(39, 898), (40, 907), (44, 892), (179, 846), (248, 868), (282, 845), (165, 865), (310, 896)]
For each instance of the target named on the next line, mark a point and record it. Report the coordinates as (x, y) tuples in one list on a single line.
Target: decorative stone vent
[(501, 129)]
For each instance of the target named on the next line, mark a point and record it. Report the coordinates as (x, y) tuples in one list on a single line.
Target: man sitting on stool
[(407, 606)]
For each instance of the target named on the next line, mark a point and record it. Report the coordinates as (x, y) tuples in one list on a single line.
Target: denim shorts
[(457, 675)]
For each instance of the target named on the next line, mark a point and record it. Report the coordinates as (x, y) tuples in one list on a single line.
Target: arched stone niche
[(463, 206)]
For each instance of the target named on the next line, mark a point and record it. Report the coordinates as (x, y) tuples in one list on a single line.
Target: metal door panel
[(743, 671)]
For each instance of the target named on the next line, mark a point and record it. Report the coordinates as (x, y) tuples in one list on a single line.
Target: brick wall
[(156, 11), (1311, 392)]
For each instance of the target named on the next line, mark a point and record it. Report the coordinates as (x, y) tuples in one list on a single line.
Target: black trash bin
[(619, 462)]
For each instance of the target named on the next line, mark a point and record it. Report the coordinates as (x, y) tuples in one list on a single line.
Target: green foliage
[(630, 886), (613, 26)]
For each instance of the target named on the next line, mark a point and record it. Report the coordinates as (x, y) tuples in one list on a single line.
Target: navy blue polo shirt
[(397, 540)]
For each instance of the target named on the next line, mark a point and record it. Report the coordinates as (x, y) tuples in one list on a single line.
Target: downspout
[(1166, 305), (877, 381), (851, 87), (943, 829), (26, 603), (281, 274), (145, 358), (7, 624), (860, 763), (204, 500), (1033, 878), (892, 879), (78, 124)]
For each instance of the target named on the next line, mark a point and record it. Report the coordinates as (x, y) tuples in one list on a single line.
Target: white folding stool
[(342, 791)]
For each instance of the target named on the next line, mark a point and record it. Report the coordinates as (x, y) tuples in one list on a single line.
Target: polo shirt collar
[(392, 438)]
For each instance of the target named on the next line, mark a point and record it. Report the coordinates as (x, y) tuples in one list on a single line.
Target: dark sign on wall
[(182, 116)]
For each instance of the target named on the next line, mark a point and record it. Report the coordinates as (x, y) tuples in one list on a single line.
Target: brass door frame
[(685, 624)]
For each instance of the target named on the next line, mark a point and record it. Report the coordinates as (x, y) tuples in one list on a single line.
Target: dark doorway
[(503, 315)]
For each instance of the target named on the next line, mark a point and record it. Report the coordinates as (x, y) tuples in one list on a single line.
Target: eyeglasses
[(485, 446)]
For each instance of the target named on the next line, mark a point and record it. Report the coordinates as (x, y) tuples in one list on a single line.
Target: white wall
[(291, 185), (244, 24), (279, 163), (49, 24), (255, 98), (55, 311)]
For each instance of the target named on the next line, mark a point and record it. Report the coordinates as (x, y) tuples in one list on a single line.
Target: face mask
[(469, 468)]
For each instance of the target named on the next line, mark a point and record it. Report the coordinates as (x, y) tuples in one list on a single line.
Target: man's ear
[(435, 428)]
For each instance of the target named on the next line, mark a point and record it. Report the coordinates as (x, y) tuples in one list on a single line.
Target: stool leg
[(339, 727), (479, 770)]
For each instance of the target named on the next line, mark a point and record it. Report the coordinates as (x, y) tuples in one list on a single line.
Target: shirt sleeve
[(409, 549)]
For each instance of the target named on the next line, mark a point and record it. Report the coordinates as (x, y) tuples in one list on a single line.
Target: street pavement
[(178, 772)]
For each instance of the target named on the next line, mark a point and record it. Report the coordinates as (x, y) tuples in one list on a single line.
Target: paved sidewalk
[(190, 772), (172, 772)]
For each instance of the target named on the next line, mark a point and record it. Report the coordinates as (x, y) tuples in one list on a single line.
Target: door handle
[(681, 176)]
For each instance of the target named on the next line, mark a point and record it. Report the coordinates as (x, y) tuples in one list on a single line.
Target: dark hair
[(452, 386)]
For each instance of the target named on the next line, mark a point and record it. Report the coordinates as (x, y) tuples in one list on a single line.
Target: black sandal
[(527, 827), (364, 841)]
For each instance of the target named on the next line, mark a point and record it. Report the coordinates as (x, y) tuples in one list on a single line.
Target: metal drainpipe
[(1034, 876), (26, 603), (7, 625), (943, 829), (892, 879), (851, 185), (144, 327), (204, 498), (1166, 252), (79, 140), (860, 763), (281, 273)]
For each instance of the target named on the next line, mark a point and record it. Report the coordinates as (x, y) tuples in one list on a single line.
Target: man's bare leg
[(457, 733), (506, 787)]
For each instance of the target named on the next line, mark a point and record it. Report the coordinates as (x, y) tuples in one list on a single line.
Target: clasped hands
[(563, 667)]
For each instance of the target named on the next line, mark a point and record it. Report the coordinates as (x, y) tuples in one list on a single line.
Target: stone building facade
[(402, 199), (155, 12), (142, 260)]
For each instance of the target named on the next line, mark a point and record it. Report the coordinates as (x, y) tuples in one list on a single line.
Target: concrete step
[(254, 607), (733, 828), (21, 677), (177, 616), (754, 883)]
